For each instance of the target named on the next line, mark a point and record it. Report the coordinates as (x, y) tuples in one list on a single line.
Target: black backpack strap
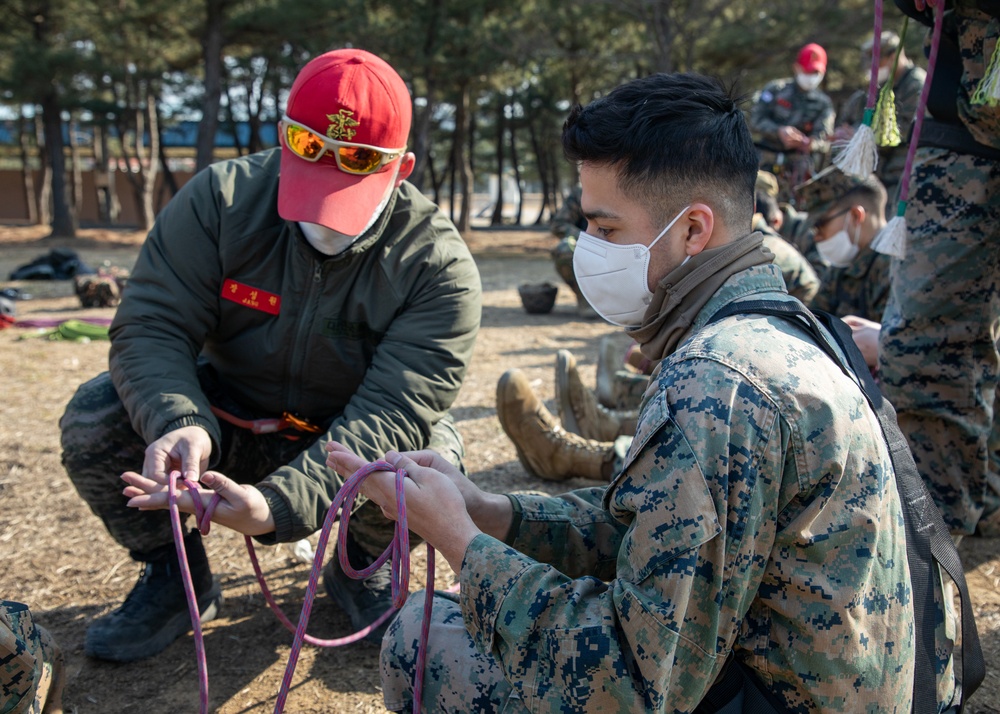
[(737, 689), (927, 537)]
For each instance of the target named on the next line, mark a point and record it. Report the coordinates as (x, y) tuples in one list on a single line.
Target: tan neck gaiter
[(683, 292)]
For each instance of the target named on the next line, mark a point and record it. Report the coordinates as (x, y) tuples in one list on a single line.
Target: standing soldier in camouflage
[(907, 81), (566, 224), (755, 519), (939, 362), (793, 122), (846, 213)]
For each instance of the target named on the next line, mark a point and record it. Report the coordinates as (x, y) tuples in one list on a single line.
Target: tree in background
[(491, 82)]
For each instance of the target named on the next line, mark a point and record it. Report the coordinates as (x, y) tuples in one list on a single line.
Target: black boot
[(364, 601), (155, 613)]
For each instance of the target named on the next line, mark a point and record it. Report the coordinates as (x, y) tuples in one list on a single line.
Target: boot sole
[(209, 605)]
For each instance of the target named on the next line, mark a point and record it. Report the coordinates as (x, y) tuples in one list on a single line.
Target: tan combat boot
[(579, 410), (545, 449)]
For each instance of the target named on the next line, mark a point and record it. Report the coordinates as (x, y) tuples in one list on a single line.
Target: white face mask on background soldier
[(808, 81), (615, 278), (839, 250)]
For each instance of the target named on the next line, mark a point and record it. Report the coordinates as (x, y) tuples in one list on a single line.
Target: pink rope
[(398, 550), (876, 57), (918, 120)]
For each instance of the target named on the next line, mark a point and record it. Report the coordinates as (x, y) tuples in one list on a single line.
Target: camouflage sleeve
[(700, 493), (762, 119), (569, 219), (572, 532), (823, 128), (877, 284)]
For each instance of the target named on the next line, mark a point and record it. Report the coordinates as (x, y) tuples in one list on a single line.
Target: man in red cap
[(793, 121), (285, 299)]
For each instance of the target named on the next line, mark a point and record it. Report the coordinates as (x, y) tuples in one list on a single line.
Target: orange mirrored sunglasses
[(311, 145)]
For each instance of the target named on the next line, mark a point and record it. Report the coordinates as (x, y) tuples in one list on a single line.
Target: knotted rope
[(343, 503)]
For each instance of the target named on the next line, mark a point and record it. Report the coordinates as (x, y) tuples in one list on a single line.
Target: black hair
[(767, 206), (869, 192), (674, 139)]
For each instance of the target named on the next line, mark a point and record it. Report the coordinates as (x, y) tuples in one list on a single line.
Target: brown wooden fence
[(14, 207)]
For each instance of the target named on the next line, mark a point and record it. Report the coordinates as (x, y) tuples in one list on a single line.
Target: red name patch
[(251, 297)]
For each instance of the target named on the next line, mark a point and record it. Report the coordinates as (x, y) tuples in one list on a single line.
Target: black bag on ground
[(57, 264)]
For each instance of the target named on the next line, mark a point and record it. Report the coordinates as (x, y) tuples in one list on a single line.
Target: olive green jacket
[(372, 343)]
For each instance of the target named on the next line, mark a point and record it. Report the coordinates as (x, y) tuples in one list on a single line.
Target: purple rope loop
[(918, 120), (343, 503), (192, 599), (876, 57)]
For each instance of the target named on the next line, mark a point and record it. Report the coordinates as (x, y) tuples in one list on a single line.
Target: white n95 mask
[(614, 278), (839, 250), (808, 82)]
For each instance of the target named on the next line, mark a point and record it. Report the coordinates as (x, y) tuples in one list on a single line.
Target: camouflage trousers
[(457, 677), (31, 665), (938, 357), (99, 443)]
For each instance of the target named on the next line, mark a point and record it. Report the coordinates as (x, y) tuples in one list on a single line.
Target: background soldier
[(566, 224), (793, 121), (846, 213)]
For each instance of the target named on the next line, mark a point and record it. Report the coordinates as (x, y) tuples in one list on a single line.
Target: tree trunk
[(211, 45), (152, 163), (231, 120), (465, 158), (435, 183), (541, 161), (27, 172), (108, 207), (45, 192), (63, 221), (75, 167), (517, 170), (497, 218)]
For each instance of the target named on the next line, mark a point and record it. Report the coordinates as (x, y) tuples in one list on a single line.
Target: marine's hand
[(435, 508), (492, 513), (242, 508), (186, 450), (792, 138), (865, 334)]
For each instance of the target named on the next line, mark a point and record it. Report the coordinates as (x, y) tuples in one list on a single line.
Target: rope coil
[(343, 503)]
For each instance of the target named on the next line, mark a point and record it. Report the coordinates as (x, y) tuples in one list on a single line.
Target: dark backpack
[(929, 545)]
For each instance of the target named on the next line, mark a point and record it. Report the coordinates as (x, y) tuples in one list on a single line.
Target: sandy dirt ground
[(56, 556)]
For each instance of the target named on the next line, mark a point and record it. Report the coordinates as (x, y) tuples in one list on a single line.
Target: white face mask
[(808, 82), (883, 74), (615, 278), (839, 250), (330, 242)]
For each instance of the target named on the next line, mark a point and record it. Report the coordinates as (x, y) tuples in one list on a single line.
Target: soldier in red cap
[(285, 299), (793, 121)]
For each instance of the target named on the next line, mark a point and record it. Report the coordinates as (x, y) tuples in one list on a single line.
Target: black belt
[(955, 137)]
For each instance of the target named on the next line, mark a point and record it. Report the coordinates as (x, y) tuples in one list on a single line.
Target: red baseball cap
[(348, 95), (812, 58)]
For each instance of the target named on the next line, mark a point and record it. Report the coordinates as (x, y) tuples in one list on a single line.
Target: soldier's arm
[(762, 117), (701, 505), (823, 129)]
